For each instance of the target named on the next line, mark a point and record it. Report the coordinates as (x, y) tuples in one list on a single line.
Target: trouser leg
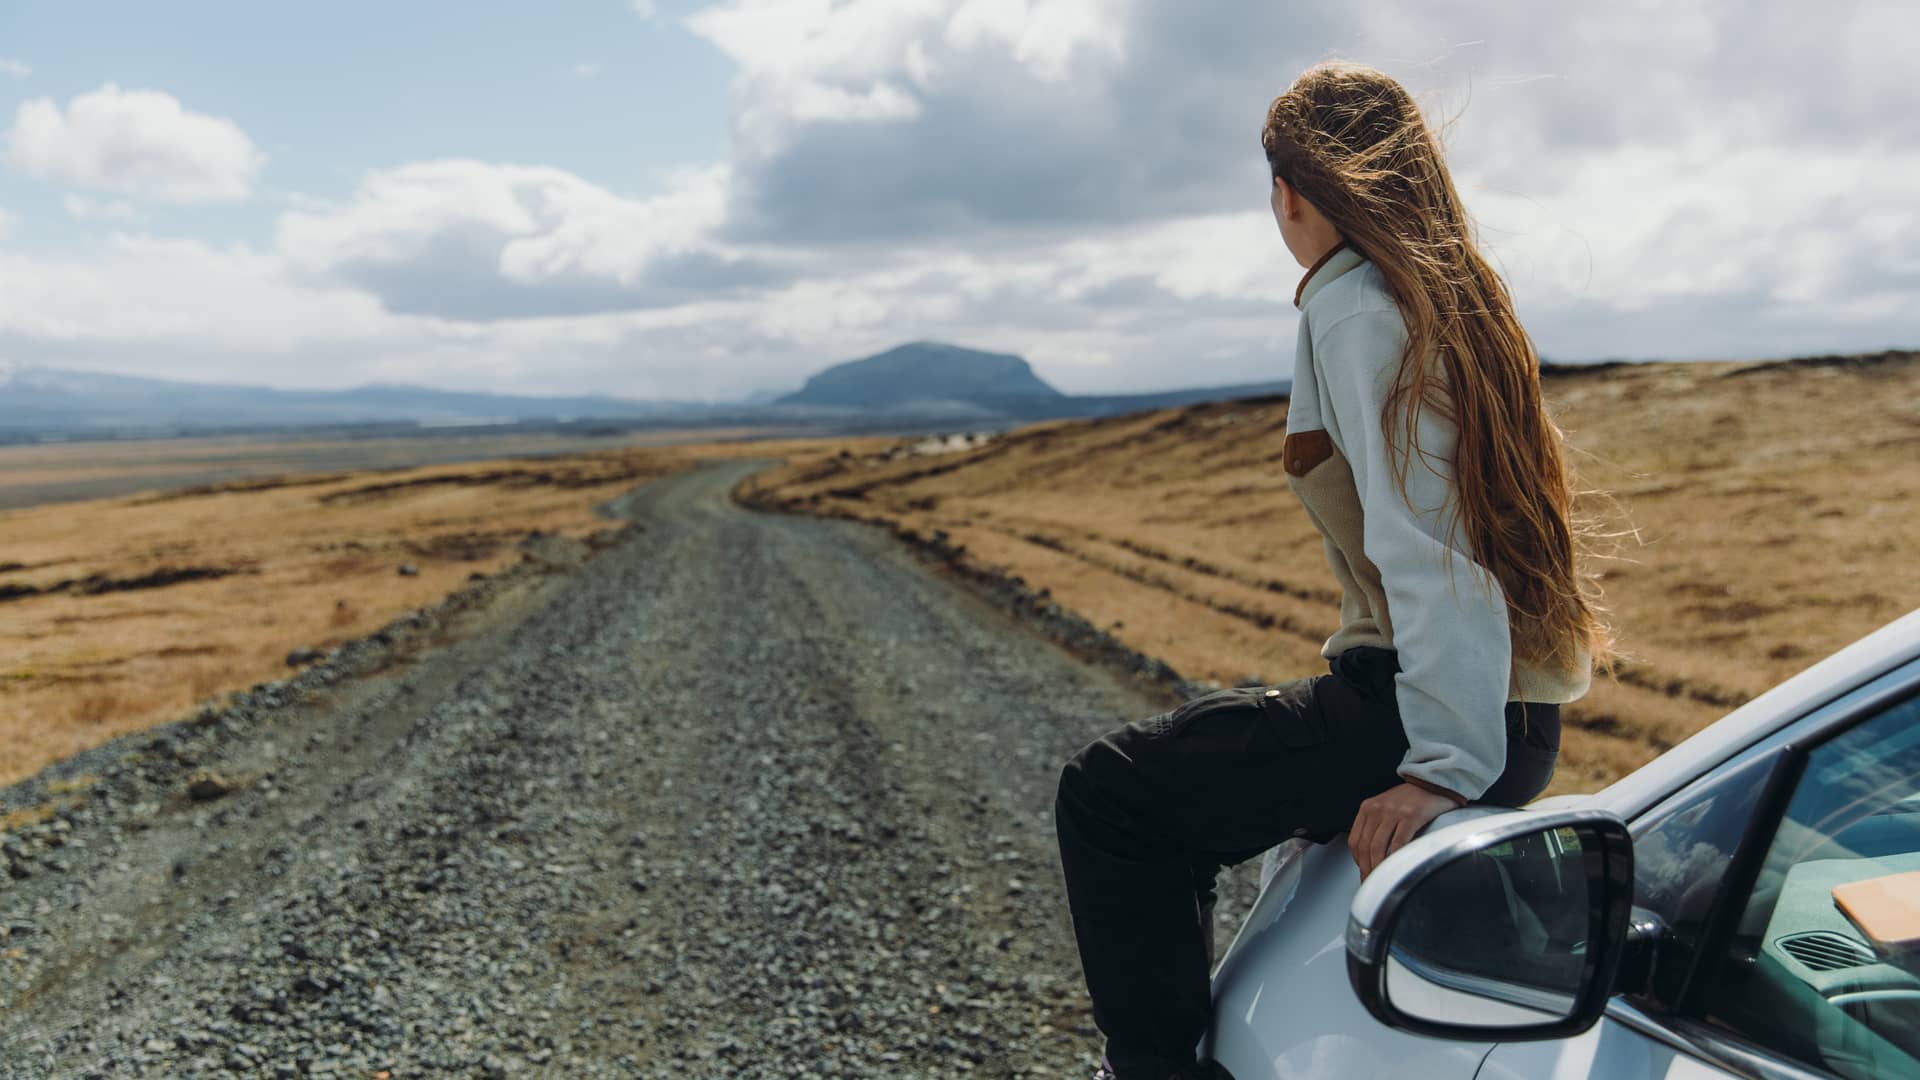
[(1206, 894), (1533, 749), (1146, 815), (1138, 927)]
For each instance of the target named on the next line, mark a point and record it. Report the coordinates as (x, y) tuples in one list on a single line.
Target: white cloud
[(872, 121), (1073, 180), (1756, 238), (818, 61), (475, 240), (1123, 135), (1044, 35), (646, 9), (7, 222), (586, 69), (82, 208), (136, 142), (173, 308), (851, 43), (146, 291), (15, 68)]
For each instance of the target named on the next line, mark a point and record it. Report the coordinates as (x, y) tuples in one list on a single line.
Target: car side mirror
[(1509, 927)]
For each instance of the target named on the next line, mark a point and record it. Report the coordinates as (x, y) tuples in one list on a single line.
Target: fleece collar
[(1335, 262)]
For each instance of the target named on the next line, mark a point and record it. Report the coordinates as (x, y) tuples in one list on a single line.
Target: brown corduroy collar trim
[(1301, 289)]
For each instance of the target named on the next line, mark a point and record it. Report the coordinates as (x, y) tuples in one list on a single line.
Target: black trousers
[(1147, 815)]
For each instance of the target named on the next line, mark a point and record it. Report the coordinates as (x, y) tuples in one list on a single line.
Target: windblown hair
[(1352, 142)]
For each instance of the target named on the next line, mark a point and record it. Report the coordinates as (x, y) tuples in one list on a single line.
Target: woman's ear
[(1289, 199)]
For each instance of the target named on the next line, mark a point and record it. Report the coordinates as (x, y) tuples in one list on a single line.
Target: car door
[(1610, 1050), (1781, 893)]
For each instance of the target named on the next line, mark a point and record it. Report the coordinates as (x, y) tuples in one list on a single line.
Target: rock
[(302, 656), (206, 786), (407, 569)]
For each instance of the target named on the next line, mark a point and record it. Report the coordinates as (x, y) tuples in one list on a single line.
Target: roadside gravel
[(741, 795)]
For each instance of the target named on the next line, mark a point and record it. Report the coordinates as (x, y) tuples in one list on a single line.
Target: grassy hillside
[(1768, 514)]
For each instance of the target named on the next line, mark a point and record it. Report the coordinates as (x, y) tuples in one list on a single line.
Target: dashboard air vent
[(1824, 950)]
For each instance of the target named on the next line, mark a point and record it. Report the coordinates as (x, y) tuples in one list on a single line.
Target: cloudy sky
[(666, 198)]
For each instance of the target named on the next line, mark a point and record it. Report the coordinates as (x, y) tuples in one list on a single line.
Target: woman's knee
[(1078, 777), (1097, 775)]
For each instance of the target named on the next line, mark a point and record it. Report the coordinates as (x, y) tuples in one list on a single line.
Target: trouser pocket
[(1289, 711)]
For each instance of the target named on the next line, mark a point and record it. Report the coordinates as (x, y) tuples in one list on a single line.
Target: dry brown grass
[(105, 627), (1775, 507), (1771, 503)]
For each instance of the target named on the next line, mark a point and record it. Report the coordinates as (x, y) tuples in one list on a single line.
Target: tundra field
[(1767, 514), (1764, 514), (116, 614)]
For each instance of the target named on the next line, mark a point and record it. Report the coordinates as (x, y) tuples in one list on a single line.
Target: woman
[(1419, 444)]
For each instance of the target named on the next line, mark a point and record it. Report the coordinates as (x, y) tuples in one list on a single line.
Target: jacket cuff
[(1459, 800)]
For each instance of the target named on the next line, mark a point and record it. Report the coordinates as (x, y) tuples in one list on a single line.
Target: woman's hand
[(1390, 819)]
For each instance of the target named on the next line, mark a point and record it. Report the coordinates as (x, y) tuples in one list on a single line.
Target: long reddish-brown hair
[(1352, 142)]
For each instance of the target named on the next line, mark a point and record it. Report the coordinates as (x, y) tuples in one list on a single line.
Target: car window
[(1823, 963), (1681, 862)]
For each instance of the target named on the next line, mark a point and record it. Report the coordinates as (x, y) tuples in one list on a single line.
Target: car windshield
[(1825, 961)]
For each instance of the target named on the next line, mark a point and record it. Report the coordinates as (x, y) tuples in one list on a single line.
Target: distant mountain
[(924, 376), (49, 399), (929, 378)]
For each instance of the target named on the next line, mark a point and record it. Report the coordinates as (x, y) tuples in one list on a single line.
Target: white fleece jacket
[(1408, 583)]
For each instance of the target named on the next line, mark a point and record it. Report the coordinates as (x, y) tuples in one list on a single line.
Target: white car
[(1746, 905)]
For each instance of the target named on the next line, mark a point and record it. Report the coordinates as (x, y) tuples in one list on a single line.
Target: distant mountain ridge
[(50, 399), (927, 376), (913, 386)]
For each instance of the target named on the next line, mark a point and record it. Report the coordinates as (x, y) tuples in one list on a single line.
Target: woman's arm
[(1449, 615)]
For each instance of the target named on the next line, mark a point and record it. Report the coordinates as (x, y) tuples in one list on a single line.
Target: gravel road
[(739, 795)]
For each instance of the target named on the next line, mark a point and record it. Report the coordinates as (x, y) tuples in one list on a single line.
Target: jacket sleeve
[(1449, 615)]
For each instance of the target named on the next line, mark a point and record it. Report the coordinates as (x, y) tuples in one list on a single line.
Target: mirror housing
[(1507, 927)]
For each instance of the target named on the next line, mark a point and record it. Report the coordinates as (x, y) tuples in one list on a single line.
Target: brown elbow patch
[(1305, 449)]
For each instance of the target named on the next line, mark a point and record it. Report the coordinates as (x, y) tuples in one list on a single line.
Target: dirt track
[(745, 795)]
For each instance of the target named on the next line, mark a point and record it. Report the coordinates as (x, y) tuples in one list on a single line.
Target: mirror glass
[(1498, 937)]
